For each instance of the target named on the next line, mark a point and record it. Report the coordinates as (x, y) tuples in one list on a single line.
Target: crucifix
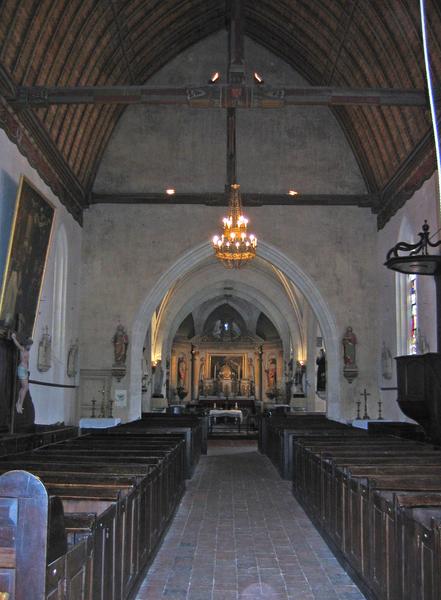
[(365, 394)]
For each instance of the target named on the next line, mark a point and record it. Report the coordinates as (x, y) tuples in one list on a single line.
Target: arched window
[(412, 314), (59, 299), (406, 303)]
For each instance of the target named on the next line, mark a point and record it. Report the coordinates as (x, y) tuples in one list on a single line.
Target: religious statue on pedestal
[(120, 343), (271, 377), (158, 375), (299, 377), (321, 371), (349, 341)]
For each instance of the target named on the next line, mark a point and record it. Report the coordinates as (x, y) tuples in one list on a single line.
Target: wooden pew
[(349, 493), (131, 494), (417, 547), (26, 539), (194, 430), (266, 422)]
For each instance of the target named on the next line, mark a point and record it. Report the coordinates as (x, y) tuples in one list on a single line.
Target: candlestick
[(358, 410), (380, 417), (103, 402), (365, 394), (110, 408), (93, 408)]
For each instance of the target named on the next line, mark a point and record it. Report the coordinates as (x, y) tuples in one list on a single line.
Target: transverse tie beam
[(371, 201), (218, 96)]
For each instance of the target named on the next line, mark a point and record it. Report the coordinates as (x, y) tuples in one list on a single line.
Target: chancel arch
[(271, 255)]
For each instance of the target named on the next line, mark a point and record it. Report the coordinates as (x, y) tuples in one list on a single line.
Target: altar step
[(231, 433)]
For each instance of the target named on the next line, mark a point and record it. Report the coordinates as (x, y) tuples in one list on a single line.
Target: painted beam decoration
[(26, 260)]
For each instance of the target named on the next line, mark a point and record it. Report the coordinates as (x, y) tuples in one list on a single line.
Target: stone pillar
[(311, 352)]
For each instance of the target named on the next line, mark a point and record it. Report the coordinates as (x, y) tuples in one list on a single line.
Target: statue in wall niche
[(182, 371), (271, 373), (321, 371), (22, 370), (120, 343)]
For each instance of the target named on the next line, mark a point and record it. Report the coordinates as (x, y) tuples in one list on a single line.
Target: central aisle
[(240, 534)]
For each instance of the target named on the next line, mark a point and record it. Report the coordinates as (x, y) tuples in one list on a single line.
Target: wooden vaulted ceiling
[(341, 43)]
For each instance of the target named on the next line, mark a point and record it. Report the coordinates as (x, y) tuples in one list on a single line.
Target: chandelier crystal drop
[(235, 247)]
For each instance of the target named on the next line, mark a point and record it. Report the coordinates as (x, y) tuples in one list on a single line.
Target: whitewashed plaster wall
[(423, 205), (52, 404), (154, 148), (126, 249)]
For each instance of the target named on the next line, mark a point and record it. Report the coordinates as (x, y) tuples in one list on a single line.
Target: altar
[(241, 403), (234, 414)]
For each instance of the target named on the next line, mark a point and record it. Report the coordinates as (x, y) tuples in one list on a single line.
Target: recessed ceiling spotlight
[(170, 191), (293, 193), (258, 78), (214, 77)]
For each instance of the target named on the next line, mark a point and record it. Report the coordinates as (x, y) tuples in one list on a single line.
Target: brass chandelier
[(235, 247)]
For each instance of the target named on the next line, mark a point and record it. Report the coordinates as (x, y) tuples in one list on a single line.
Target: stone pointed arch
[(266, 251)]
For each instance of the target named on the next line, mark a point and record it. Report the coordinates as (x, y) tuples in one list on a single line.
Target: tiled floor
[(240, 535)]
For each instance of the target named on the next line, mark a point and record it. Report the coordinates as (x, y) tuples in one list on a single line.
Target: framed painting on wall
[(26, 260)]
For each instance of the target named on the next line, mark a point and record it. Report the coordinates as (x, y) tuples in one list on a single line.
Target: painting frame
[(28, 251)]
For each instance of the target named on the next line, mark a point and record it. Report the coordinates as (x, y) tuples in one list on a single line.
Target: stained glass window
[(412, 308)]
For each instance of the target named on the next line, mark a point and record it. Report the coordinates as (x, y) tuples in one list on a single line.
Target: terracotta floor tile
[(239, 534)]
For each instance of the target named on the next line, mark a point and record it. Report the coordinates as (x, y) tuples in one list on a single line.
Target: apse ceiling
[(335, 43)]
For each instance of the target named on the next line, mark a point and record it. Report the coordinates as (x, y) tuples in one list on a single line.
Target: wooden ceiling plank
[(81, 21), (367, 49), (43, 35), (19, 29), (9, 16), (90, 71), (350, 6), (87, 69), (389, 54)]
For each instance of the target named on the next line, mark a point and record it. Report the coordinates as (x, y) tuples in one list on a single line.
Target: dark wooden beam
[(236, 58), (412, 173), (248, 199), (231, 148), (217, 96)]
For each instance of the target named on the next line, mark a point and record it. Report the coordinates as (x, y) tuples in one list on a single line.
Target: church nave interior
[(220, 302)]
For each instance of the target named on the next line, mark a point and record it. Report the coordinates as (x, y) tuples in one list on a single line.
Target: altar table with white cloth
[(215, 413)]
